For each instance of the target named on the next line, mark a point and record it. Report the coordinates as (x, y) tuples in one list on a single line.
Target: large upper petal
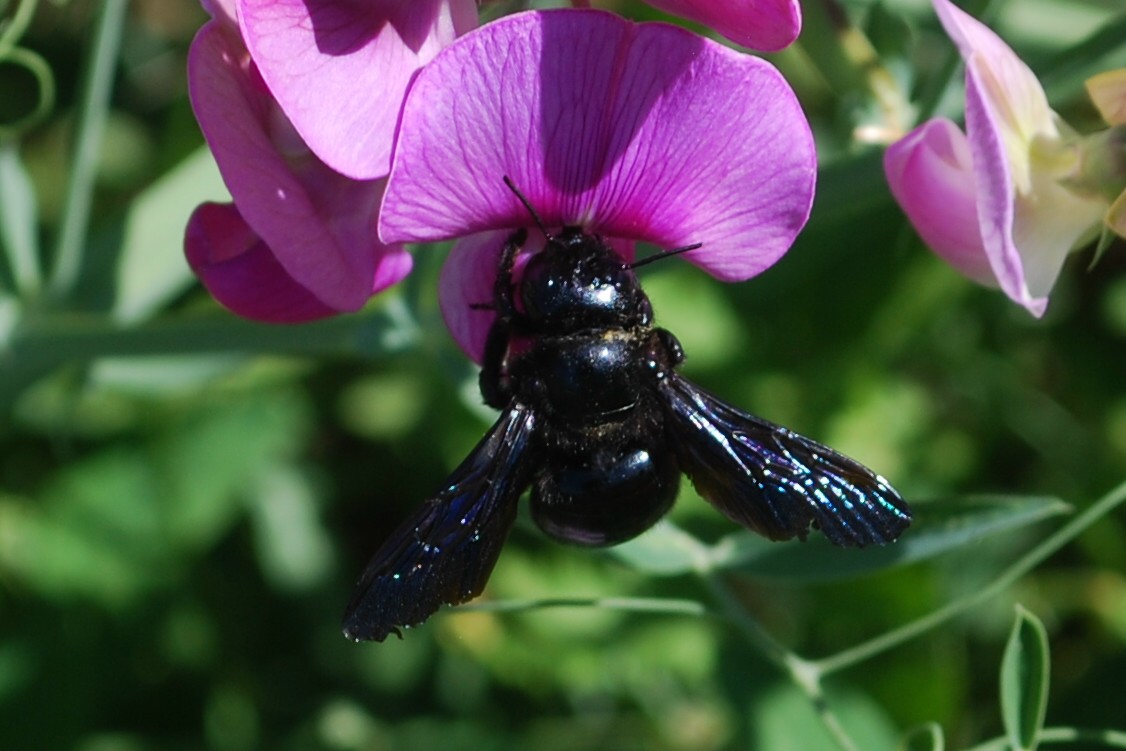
[(767, 25), (340, 68), (319, 225), (636, 131), (930, 172)]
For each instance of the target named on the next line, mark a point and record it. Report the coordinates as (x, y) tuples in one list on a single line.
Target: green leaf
[(128, 519), (665, 550), (889, 32), (924, 738), (1024, 681), (295, 551), (1064, 73), (939, 527), (95, 532), (784, 719), (214, 455), (152, 268)]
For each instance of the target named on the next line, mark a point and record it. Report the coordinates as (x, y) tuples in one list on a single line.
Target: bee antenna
[(663, 254), (527, 204)]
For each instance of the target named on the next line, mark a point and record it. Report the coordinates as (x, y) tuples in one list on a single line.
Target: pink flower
[(767, 25), (340, 68), (637, 132), (995, 201), (301, 243)]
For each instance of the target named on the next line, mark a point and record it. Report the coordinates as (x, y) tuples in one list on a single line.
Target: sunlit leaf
[(785, 720), (1063, 74), (294, 548), (216, 454), (1024, 681), (665, 550), (152, 268)]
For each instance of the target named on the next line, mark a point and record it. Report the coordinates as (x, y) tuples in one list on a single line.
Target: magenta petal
[(340, 69), (466, 284), (630, 130), (930, 172), (318, 224), (240, 272), (767, 25)]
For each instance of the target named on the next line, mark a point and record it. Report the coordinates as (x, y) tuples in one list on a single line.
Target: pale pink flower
[(995, 201)]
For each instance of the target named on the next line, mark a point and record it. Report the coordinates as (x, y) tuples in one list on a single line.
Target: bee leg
[(503, 287), (494, 387)]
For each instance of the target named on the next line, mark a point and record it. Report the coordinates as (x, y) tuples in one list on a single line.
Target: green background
[(186, 498)]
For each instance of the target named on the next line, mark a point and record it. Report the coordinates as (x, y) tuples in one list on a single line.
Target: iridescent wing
[(444, 553), (772, 480)]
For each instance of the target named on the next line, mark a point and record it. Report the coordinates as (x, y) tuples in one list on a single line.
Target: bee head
[(577, 281)]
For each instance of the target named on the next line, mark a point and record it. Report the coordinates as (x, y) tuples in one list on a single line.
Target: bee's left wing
[(772, 480), (445, 551)]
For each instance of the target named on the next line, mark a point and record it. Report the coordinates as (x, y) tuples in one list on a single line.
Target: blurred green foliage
[(185, 499)]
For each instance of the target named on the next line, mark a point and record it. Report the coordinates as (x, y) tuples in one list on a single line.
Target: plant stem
[(17, 222), (91, 126), (15, 28), (805, 675), (1022, 566), (850, 66), (1112, 738), (74, 338), (40, 343), (628, 604)]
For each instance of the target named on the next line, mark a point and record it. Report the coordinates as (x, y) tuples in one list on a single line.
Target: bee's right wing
[(444, 553), (774, 481)]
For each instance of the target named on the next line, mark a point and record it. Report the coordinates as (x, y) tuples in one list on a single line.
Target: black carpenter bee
[(595, 418)]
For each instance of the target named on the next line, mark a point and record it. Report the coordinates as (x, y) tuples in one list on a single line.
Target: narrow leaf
[(17, 220), (939, 527), (630, 604), (1024, 681)]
